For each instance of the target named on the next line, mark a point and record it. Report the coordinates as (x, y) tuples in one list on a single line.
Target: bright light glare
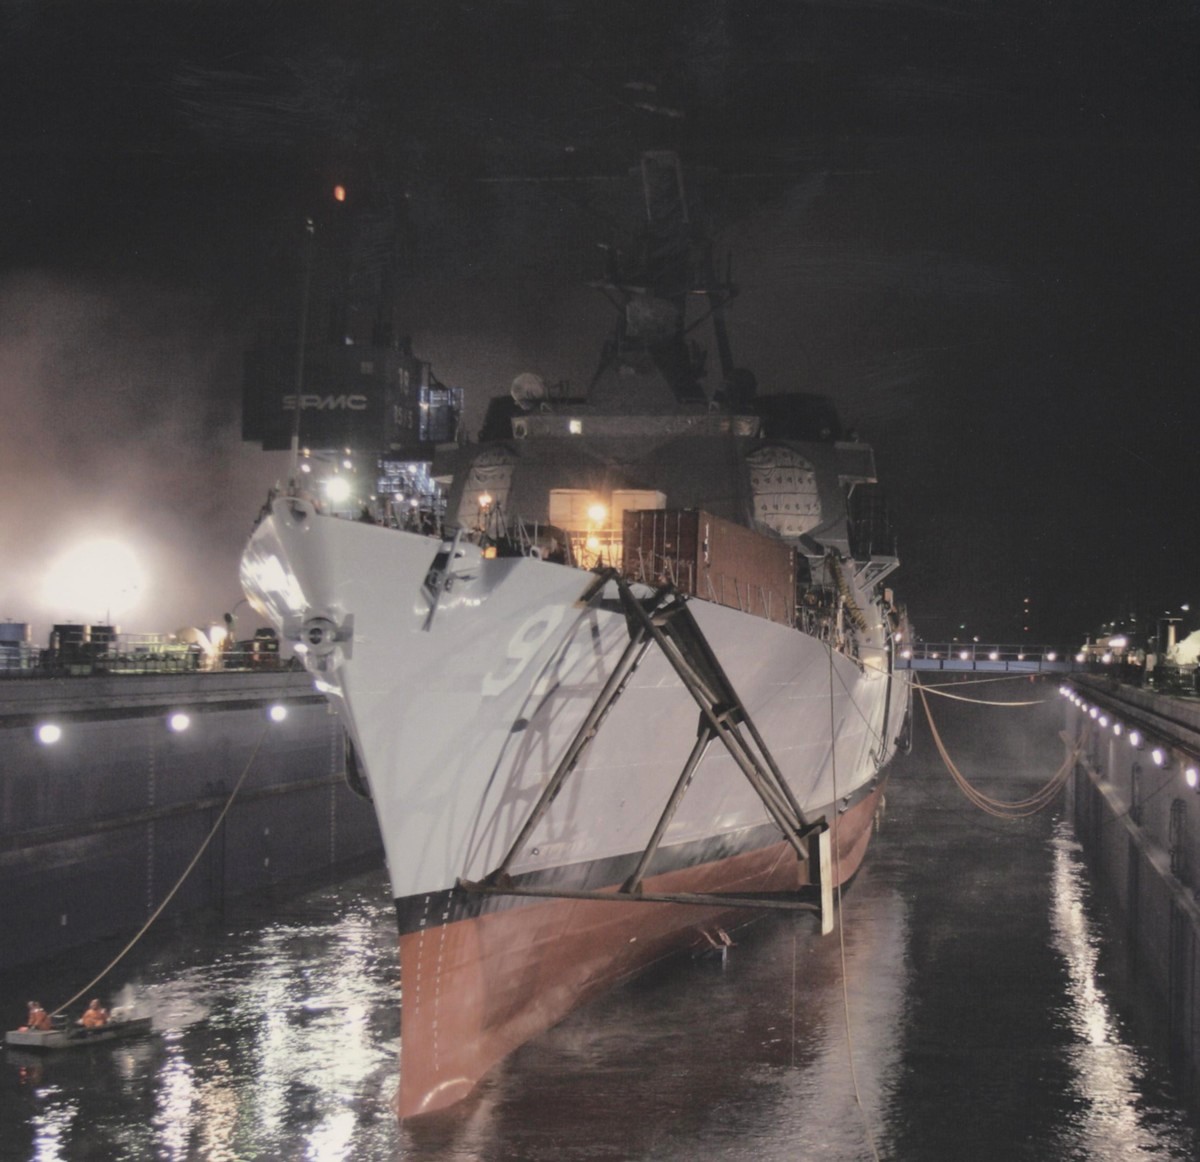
[(1192, 777), (1135, 738), (179, 722), (96, 578), (48, 733), (1159, 756), (277, 712), (597, 513), (337, 488), (1051, 656)]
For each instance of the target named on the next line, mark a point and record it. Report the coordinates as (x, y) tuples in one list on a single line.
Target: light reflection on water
[(1109, 1075), (276, 1036), (269, 1042)]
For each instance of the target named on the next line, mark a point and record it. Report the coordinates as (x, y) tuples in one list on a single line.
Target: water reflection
[(1108, 1118), (270, 1040), (980, 1026), (52, 1124)]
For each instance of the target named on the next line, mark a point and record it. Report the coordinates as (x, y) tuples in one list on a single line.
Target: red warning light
[(339, 193)]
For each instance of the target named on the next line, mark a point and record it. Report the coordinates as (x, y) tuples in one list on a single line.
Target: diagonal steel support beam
[(665, 621), (639, 643), (706, 735), (723, 722)]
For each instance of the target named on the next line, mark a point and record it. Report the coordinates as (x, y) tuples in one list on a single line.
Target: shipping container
[(708, 557)]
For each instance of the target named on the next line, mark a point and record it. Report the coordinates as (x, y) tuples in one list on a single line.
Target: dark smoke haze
[(974, 227)]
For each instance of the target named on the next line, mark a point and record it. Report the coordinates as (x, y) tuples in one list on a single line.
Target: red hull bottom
[(476, 989)]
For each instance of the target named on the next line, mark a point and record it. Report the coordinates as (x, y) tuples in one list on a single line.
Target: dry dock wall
[(1137, 814), (96, 828)]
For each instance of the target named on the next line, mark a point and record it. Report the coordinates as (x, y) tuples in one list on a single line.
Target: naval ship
[(635, 684)]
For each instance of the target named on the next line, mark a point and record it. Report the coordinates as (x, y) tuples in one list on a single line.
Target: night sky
[(973, 225)]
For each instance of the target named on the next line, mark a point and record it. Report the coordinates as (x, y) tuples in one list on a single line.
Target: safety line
[(878, 736), (178, 883), (837, 879)]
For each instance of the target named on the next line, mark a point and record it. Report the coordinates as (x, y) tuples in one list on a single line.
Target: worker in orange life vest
[(94, 1016), (37, 1020)]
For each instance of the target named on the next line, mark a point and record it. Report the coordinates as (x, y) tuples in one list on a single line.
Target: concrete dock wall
[(1135, 806), (96, 828)]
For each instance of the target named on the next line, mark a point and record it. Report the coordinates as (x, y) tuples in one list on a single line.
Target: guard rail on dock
[(965, 657)]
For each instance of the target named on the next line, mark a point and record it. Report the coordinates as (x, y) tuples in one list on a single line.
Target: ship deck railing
[(32, 662)]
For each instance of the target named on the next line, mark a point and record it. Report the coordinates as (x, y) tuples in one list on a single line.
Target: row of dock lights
[(48, 733), (965, 655), (1160, 754)]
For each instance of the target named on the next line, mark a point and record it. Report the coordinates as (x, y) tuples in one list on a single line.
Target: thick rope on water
[(187, 871), (998, 808)]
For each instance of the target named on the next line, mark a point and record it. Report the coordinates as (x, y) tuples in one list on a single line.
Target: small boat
[(76, 1037)]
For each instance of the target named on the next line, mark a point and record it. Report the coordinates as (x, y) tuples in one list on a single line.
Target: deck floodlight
[(1192, 777), (337, 488), (1159, 756), (179, 722), (277, 713), (1135, 738), (49, 733)]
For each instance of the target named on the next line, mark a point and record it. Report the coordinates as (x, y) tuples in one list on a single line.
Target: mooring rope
[(187, 871), (980, 681), (977, 701), (837, 880), (999, 808)]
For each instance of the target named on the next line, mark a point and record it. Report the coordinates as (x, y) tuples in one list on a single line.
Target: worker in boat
[(95, 1016), (37, 1020)]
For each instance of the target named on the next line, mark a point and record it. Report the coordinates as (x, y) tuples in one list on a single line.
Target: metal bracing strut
[(703, 738), (692, 658), (665, 621), (637, 647)]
